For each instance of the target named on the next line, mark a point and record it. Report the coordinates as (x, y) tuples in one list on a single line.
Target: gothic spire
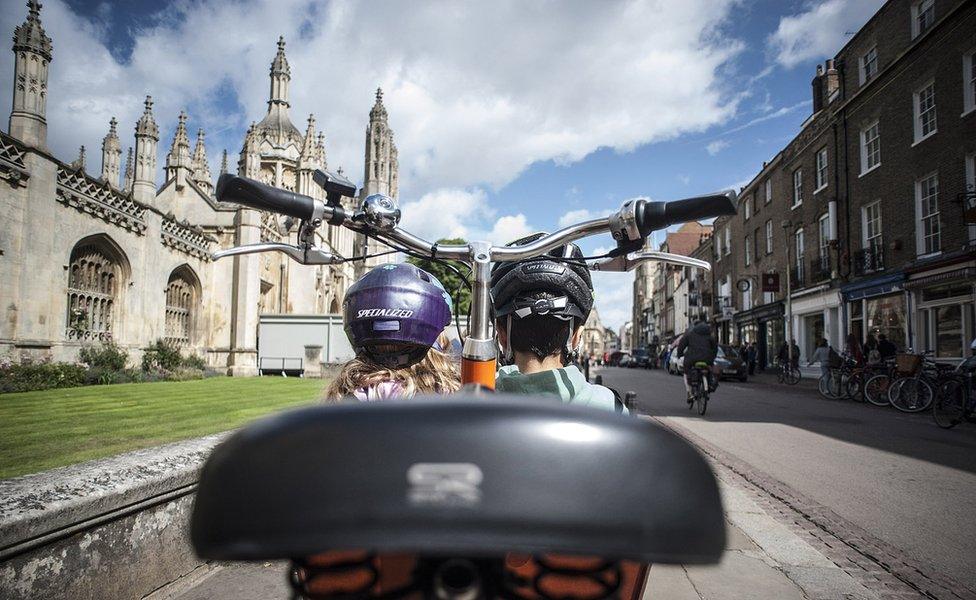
[(146, 126), (308, 147), (30, 36), (79, 163), (201, 167), (320, 149), (181, 143), (144, 174), (280, 76), (111, 154), (127, 179), (379, 111), (223, 163)]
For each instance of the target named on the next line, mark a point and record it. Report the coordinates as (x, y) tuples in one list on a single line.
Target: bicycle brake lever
[(312, 255), (630, 261)]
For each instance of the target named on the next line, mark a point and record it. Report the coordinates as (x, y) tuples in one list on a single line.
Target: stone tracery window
[(94, 286), (181, 303)]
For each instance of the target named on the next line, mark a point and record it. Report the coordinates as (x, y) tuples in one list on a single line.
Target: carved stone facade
[(88, 257)]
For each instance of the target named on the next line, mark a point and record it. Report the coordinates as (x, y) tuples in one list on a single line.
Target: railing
[(820, 269), (869, 260)]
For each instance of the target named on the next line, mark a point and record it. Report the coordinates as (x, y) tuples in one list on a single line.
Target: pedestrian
[(822, 356), (871, 352), (854, 350), (885, 348), (796, 355), (751, 354)]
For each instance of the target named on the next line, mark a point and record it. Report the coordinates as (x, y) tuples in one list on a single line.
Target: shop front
[(817, 314), (878, 306), (943, 300), (763, 326)]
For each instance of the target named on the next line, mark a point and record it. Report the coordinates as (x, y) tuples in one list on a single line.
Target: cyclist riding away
[(698, 345), (540, 306), (394, 317)]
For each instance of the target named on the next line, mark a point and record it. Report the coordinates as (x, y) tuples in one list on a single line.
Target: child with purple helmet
[(394, 317)]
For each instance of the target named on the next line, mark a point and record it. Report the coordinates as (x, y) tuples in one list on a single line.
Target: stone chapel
[(88, 256)]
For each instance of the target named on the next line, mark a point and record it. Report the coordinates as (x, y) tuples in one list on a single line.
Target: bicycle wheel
[(824, 386), (855, 388), (792, 376), (702, 402), (949, 408), (837, 385), (910, 394), (876, 389)]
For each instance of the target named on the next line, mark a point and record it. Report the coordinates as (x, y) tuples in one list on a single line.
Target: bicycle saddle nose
[(464, 474)]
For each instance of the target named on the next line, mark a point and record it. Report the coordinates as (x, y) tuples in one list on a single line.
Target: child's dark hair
[(541, 335)]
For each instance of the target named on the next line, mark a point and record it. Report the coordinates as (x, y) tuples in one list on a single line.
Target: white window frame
[(929, 91), (918, 9), (865, 154), (798, 250), (921, 238), (747, 213), (728, 241), (868, 58), (821, 171), (797, 187), (971, 187), (823, 235), (748, 252), (769, 190), (968, 82), (871, 225), (769, 236)]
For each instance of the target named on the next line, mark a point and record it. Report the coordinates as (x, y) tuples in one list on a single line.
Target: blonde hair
[(436, 373)]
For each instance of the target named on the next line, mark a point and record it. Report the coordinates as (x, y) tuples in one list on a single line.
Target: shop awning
[(875, 286), (763, 312), (964, 273)]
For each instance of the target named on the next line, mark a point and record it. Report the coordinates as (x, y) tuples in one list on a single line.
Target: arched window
[(96, 271), (182, 296)]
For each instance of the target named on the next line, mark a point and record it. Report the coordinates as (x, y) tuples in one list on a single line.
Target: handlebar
[(261, 196)]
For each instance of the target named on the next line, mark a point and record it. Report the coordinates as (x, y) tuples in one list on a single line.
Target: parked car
[(641, 359), (675, 366), (625, 360), (731, 364)]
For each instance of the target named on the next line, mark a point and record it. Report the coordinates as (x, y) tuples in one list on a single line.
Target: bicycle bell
[(381, 211)]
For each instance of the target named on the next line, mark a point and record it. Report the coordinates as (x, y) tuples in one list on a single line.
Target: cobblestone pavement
[(877, 564)]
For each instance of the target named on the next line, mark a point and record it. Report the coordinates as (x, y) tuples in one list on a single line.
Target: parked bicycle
[(789, 373), (916, 391), (876, 386), (955, 399)]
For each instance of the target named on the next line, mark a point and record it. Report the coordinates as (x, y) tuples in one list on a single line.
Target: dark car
[(731, 364), (641, 358)]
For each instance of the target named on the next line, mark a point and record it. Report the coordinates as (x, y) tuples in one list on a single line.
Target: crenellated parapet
[(185, 238), (13, 170), (100, 200)]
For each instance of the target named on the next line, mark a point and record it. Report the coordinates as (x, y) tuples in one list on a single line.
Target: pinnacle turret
[(128, 177), (378, 111), (78, 164), (280, 76), (178, 162), (380, 176), (146, 126), (223, 163), (32, 57), (111, 154), (147, 137), (201, 167)]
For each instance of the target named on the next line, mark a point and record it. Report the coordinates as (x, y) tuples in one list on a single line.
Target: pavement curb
[(872, 562)]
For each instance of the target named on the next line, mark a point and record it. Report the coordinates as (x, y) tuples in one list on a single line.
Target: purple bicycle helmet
[(394, 313)]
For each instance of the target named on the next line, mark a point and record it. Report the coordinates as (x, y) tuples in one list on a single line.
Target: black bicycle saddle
[(458, 475)]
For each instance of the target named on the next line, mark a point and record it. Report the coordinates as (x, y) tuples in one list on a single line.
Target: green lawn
[(51, 428)]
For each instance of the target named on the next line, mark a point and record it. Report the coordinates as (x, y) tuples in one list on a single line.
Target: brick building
[(863, 212)]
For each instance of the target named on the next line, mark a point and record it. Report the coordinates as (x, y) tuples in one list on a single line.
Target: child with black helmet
[(540, 306), (394, 317)]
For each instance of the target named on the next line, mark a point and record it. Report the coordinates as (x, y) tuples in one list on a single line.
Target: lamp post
[(787, 225)]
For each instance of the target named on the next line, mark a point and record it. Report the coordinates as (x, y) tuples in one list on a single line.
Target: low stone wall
[(110, 528)]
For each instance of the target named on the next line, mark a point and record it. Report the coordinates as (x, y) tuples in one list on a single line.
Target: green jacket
[(568, 384)]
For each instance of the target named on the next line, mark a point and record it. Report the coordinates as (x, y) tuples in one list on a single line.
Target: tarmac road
[(899, 477)]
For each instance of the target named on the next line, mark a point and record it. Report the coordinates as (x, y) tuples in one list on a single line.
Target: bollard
[(598, 380)]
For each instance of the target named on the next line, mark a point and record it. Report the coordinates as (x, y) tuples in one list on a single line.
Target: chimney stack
[(818, 90), (832, 80)]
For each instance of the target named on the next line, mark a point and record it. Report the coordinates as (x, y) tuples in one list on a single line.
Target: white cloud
[(613, 294), (560, 83), (717, 146), (446, 213), (579, 215), (819, 31)]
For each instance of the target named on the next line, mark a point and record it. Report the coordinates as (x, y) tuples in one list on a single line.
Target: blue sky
[(510, 117)]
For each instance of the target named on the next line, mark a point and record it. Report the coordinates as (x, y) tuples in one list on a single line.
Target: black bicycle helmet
[(561, 272)]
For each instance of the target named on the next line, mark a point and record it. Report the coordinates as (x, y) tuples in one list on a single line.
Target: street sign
[(770, 282)]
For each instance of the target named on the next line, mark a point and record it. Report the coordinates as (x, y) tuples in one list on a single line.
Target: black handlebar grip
[(702, 207), (254, 194)]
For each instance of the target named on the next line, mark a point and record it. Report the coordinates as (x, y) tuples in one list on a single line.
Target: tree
[(454, 285)]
